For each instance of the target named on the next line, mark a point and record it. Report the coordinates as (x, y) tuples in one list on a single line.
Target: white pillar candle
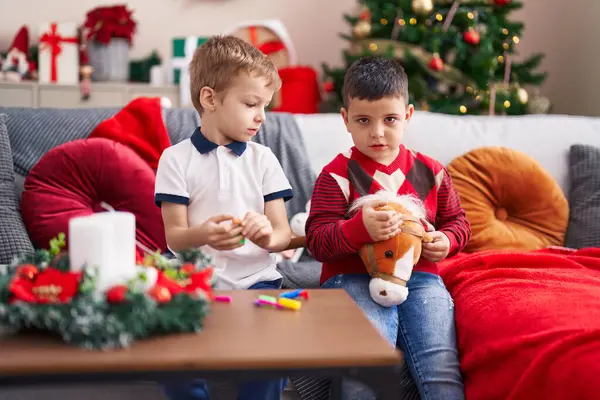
[(107, 241)]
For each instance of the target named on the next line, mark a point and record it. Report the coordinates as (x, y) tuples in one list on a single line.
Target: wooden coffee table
[(328, 337)]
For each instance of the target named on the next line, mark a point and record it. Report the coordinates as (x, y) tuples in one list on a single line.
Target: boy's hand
[(437, 249), (257, 228), (221, 236), (381, 225)]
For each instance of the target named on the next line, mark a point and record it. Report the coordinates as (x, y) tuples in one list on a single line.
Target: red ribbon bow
[(53, 40)]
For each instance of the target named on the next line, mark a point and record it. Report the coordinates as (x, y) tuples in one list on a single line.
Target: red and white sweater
[(334, 237)]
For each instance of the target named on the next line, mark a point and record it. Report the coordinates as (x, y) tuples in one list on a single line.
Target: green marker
[(269, 299)]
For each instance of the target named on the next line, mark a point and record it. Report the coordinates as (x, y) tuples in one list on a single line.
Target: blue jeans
[(422, 327), (252, 390)]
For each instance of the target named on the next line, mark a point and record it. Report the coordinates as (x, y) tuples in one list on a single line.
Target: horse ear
[(427, 225)]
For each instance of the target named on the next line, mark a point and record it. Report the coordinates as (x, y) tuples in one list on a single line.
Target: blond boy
[(219, 174)]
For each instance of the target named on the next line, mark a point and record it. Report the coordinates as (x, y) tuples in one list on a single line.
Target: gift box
[(183, 51), (58, 55), (299, 92), (271, 37)]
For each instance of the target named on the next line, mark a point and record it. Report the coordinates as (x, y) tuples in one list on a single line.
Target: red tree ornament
[(365, 14), (471, 37), (436, 63), (328, 86)]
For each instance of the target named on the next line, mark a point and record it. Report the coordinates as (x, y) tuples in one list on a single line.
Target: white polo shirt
[(232, 179)]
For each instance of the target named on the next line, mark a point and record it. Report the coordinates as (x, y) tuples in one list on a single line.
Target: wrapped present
[(58, 56), (300, 92), (183, 51), (271, 37)]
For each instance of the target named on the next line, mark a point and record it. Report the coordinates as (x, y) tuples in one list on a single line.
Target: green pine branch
[(469, 68)]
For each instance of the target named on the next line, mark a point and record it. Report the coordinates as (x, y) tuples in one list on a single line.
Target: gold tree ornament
[(362, 29), (422, 7), (539, 105), (522, 95)]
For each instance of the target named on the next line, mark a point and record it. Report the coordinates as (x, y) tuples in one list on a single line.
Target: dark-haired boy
[(376, 112)]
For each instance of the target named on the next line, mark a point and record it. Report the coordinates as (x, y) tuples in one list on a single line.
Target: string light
[(463, 109), (413, 21), (401, 22), (373, 47), (501, 58), (507, 104), (383, 21), (478, 97), (505, 31), (470, 15), (439, 17), (469, 89), (515, 39), (506, 46)]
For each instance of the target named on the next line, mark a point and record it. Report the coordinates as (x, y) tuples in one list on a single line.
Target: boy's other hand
[(381, 225), (257, 228), (222, 236), (438, 248)]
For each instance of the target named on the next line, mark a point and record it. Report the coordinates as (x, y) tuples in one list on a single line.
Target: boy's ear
[(207, 98), (410, 109), (344, 113)]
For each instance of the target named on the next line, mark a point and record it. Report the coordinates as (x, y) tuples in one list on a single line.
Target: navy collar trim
[(203, 145)]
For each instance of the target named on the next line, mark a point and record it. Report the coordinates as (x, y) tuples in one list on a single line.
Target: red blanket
[(528, 324)]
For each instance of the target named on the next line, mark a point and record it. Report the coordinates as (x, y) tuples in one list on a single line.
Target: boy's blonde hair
[(217, 61)]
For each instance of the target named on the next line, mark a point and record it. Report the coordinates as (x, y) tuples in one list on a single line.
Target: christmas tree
[(459, 55)]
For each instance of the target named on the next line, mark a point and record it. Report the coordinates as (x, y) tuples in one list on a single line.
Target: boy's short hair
[(217, 61), (373, 78)]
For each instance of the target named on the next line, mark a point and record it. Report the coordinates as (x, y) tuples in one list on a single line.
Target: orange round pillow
[(511, 202)]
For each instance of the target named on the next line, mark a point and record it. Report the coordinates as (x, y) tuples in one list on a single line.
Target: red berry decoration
[(117, 294), (161, 294), (188, 268), (471, 37), (436, 63), (27, 271)]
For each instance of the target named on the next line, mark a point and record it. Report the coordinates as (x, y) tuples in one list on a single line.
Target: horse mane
[(413, 204)]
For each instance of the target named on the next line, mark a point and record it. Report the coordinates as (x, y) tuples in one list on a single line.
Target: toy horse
[(390, 262)]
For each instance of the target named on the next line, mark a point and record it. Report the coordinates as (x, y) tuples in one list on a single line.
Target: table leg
[(336, 389), (385, 382)]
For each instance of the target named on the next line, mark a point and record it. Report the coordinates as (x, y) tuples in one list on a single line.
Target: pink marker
[(261, 302), (223, 299)]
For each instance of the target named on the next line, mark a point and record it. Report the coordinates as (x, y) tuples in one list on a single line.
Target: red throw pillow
[(72, 180)]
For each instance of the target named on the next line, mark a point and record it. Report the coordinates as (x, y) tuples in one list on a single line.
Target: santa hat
[(278, 28), (21, 40), (139, 126)]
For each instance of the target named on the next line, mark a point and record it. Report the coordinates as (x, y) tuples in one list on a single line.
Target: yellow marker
[(289, 303)]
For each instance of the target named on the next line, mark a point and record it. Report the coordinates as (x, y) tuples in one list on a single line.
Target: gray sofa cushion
[(584, 197), (14, 240), (34, 131)]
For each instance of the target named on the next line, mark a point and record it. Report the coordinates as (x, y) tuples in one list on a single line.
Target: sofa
[(547, 139)]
